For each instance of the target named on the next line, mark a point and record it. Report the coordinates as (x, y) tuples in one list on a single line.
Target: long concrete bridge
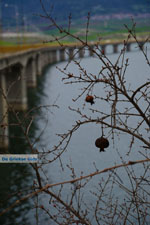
[(19, 71)]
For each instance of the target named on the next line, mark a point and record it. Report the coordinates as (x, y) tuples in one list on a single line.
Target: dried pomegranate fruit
[(90, 99), (102, 143)]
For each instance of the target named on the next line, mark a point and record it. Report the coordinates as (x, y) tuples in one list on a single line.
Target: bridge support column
[(128, 47), (3, 114), (103, 49), (54, 56), (91, 51), (141, 46), (49, 58), (43, 60), (30, 73), (81, 52), (71, 56), (16, 86), (38, 64), (62, 54), (115, 48)]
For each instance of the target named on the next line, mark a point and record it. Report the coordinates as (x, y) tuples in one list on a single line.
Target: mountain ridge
[(78, 8)]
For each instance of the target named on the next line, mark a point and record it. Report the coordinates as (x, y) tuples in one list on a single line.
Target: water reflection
[(14, 179), (17, 179)]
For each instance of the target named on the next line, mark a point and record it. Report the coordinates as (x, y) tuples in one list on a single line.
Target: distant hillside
[(78, 8)]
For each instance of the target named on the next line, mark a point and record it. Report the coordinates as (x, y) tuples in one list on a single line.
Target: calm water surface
[(81, 153)]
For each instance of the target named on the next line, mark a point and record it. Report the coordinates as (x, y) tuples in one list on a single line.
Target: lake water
[(81, 153)]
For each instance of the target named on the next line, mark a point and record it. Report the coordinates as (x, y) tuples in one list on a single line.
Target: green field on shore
[(92, 36), (113, 29)]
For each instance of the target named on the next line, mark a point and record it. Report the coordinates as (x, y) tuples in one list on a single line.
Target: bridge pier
[(128, 48), (38, 62), (62, 54), (71, 56), (141, 46), (16, 87), (3, 114), (44, 60), (49, 57), (103, 49), (81, 52), (30, 73), (115, 48), (91, 51), (53, 56)]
